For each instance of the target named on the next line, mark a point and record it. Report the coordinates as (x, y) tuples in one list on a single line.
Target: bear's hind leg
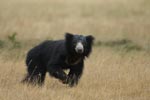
[(36, 74)]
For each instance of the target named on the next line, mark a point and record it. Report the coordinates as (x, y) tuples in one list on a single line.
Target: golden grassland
[(111, 73)]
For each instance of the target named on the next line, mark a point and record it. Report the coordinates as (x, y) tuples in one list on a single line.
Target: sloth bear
[(56, 56)]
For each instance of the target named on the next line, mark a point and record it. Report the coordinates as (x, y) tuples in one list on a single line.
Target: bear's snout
[(79, 48)]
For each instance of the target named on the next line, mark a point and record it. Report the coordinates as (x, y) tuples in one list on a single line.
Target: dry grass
[(110, 74), (107, 76)]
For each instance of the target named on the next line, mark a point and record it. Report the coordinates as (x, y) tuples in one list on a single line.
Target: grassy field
[(119, 67)]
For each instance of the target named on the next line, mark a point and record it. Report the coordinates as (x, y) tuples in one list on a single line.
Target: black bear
[(56, 56)]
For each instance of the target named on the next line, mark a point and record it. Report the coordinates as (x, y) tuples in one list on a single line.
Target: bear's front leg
[(58, 73), (72, 80), (74, 76)]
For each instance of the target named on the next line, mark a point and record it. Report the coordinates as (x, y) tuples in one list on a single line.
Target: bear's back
[(51, 51)]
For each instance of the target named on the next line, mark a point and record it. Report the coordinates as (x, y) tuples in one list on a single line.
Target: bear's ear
[(90, 39), (68, 36)]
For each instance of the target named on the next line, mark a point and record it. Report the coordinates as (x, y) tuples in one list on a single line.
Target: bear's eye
[(74, 44)]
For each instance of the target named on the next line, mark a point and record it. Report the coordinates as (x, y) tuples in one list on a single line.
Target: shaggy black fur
[(56, 56)]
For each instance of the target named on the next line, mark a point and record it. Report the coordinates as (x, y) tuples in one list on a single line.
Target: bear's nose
[(80, 51), (79, 48)]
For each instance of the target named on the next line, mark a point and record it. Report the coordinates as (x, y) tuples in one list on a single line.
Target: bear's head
[(79, 44)]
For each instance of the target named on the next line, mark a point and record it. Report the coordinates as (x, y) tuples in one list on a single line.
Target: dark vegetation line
[(122, 44)]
